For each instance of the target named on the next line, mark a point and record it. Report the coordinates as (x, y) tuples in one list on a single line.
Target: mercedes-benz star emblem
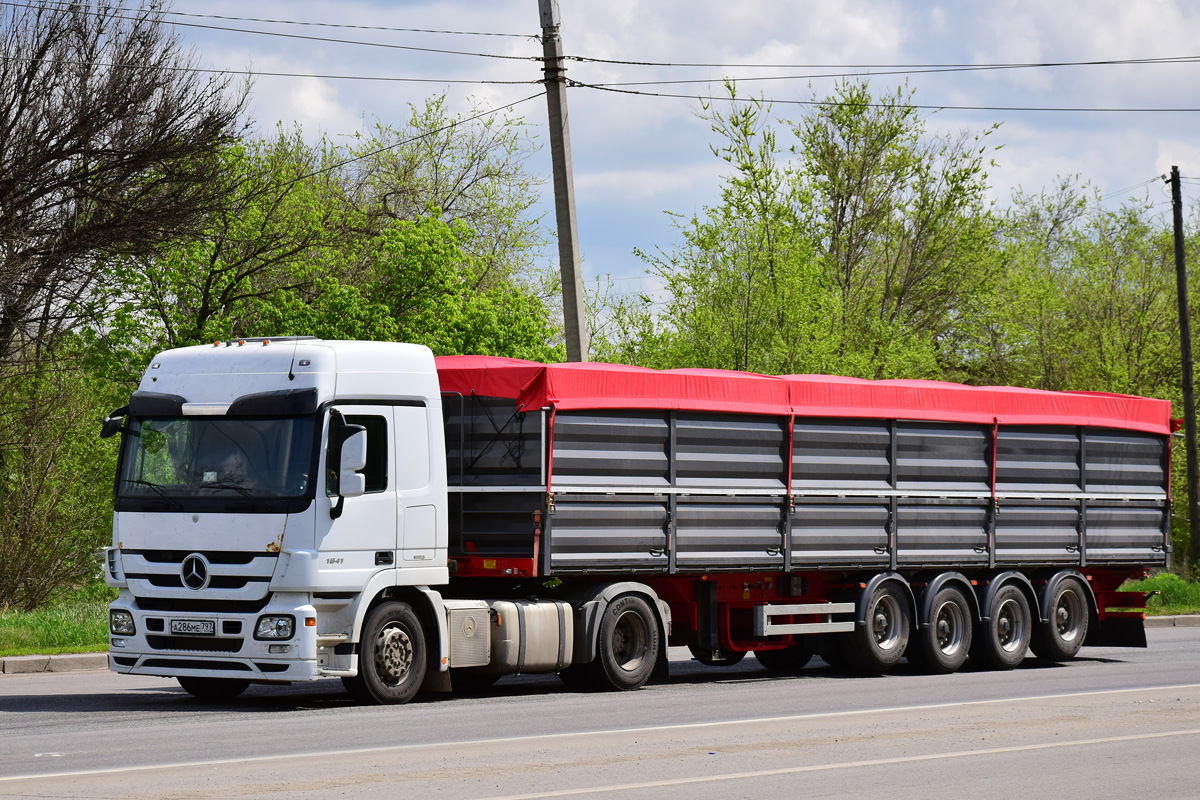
[(195, 572)]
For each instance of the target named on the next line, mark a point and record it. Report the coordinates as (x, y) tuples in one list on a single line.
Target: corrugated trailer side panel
[(676, 490)]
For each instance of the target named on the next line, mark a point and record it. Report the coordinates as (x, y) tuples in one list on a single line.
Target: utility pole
[(1189, 395), (564, 184)]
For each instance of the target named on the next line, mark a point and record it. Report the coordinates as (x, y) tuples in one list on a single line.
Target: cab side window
[(376, 469)]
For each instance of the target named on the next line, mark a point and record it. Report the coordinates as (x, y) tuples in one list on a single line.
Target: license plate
[(194, 627)]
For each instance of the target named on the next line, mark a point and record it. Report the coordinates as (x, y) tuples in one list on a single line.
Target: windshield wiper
[(158, 490), (237, 487)]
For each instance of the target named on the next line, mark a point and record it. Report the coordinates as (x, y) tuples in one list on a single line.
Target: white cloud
[(637, 156)]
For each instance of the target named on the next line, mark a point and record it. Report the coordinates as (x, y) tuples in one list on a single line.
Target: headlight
[(275, 627), (120, 623)]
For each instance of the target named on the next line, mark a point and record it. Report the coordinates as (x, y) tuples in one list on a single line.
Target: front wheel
[(878, 644), (212, 690), (391, 660), (1060, 638), (1002, 639)]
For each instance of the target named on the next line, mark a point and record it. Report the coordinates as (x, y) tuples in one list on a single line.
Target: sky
[(637, 157)]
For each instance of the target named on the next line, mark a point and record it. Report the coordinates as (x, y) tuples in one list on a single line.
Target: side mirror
[(347, 454), (352, 483), (114, 423)]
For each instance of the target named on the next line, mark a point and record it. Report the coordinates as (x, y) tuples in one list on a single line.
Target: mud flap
[(1118, 633)]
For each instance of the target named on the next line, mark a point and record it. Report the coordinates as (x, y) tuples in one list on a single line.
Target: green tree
[(286, 228), (430, 283), (900, 224), (858, 255), (469, 168)]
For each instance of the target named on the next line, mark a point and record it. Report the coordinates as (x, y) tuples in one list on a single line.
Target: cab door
[(415, 497), (363, 538)]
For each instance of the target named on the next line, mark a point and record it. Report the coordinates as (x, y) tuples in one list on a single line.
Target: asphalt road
[(1113, 723)]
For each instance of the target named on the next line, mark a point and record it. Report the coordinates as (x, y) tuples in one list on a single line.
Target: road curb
[(1181, 621), (67, 662)]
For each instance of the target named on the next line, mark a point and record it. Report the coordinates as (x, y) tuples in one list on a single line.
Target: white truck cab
[(236, 554)]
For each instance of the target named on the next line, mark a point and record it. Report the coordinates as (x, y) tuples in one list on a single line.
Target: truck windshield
[(194, 458)]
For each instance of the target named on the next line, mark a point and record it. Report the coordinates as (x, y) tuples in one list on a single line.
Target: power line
[(411, 139), (914, 70), (1127, 189), (340, 25), (1013, 65), (311, 38), (922, 107), (260, 73)]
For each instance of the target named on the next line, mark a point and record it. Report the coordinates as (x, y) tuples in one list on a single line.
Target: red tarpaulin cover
[(613, 386)]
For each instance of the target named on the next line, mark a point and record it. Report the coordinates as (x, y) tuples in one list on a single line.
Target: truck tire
[(628, 644), (942, 646), (728, 659), (831, 650), (787, 661), (212, 690), (1002, 639), (1060, 638), (878, 644), (391, 659)]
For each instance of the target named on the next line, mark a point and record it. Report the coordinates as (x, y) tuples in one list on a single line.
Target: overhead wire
[(911, 70), (339, 25), (1127, 189), (1007, 65), (918, 106), (411, 139), (303, 37), (615, 87), (270, 74)]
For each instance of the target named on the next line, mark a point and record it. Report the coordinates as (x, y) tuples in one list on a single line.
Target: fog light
[(279, 649), (121, 623), (275, 627), (117, 642)]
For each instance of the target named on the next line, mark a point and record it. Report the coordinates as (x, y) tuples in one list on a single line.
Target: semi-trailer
[(296, 509)]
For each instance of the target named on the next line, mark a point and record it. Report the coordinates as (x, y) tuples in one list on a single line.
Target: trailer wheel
[(831, 650), (1060, 638), (1002, 639), (878, 645), (727, 659), (391, 661), (212, 690), (942, 647), (787, 661), (628, 644)]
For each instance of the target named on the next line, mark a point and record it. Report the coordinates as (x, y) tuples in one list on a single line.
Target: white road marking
[(609, 732), (733, 776)]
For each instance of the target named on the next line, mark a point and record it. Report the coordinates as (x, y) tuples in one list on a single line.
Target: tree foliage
[(108, 143), (859, 254)]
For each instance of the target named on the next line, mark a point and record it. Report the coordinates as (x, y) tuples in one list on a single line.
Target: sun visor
[(155, 404)]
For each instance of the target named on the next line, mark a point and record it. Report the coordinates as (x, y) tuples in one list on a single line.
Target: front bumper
[(230, 652)]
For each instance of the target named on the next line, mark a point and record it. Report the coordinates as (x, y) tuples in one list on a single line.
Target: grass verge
[(1175, 595), (68, 628)]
